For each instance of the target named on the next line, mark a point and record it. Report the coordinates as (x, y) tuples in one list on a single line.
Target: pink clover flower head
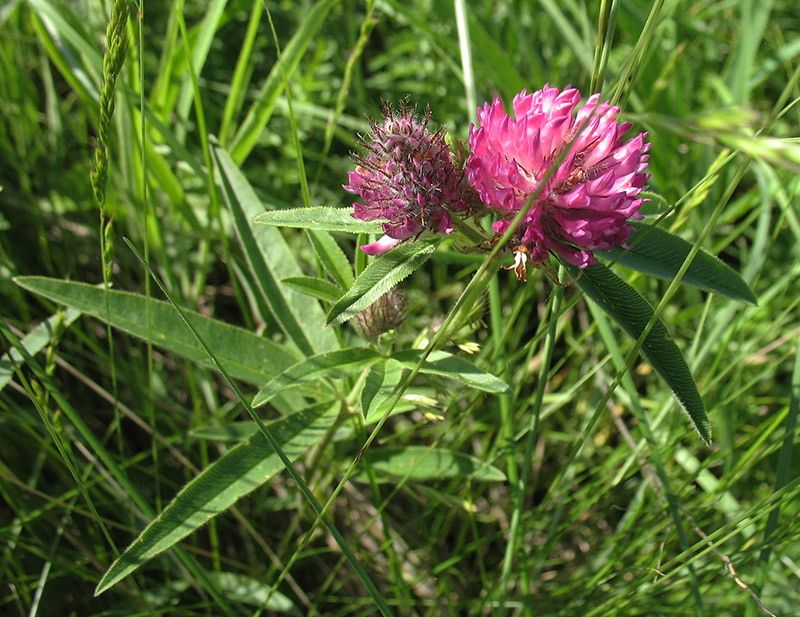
[(586, 203), (406, 178)]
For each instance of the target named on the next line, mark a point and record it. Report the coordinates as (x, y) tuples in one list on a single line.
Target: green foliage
[(633, 314), (239, 472), (548, 473), (657, 252), (380, 277)]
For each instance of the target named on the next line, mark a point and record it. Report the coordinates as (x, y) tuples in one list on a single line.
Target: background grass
[(644, 520)]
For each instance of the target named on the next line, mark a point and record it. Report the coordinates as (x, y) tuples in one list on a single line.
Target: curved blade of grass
[(323, 218), (34, 342), (332, 364), (260, 112), (201, 45), (63, 21), (380, 277), (425, 463), (270, 260), (632, 313), (246, 356), (447, 365), (239, 472), (659, 253)]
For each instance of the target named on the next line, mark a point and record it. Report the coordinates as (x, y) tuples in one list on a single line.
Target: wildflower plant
[(544, 197), (560, 181)]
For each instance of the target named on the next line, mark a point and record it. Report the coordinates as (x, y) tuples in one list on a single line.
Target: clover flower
[(407, 179), (584, 205)]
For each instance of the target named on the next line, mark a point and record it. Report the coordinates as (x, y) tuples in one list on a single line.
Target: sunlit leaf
[(425, 463), (239, 472), (318, 217), (655, 251), (244, 355), (632, 313), (380, 277)]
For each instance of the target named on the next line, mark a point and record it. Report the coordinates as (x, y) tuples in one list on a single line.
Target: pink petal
[(381, 246)]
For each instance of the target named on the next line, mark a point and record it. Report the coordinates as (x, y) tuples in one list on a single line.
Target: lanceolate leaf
[(239, 472), (380, 277), (332, 258), (238, 588), (632, 312), (424, 463), (454, 367), (333, 364), (244, 355), (314, 287), (379, 385), (660, 253), (319, 217), (270, 260)]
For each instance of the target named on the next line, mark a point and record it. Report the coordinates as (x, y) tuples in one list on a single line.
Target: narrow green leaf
[(200, 46), (60, 20), (34, 342), (167, 181), (659, 253), (270, 260), (380, 277), (239, 472), (260, 112), (246, 356), (424, 463), (236, 587), (379, 385), (632, 312), (65, 61), (314, 287), (318, 217), (447, 365), (332, 364), (236, 431), (332, 258)]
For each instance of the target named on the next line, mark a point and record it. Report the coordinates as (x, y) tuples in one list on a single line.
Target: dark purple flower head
[(407, 179), (585, 204)]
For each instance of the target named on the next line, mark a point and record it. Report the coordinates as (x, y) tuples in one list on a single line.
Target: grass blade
[(260, 112), (270, 260)]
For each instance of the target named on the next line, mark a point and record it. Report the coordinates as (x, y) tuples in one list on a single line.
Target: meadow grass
[(541, 468)]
